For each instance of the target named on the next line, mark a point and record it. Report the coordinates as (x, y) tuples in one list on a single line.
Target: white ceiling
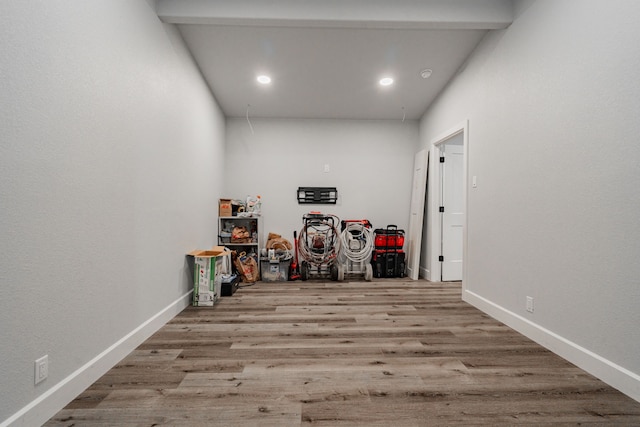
[(325, 57)]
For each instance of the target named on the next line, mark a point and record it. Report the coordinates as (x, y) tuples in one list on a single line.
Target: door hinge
[(441, 258), (441, 208), (442, 159)]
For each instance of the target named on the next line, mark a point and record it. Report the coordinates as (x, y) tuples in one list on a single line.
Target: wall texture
[(112, 163), (370, 162), (553, 106)]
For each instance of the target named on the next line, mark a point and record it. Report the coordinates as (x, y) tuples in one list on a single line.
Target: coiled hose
[(319, 242), (357, 242)]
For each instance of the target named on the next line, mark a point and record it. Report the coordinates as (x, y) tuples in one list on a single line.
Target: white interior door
[(414, 236), (452, 217)]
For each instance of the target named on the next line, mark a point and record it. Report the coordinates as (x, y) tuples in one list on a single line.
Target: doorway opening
[(447, 202)]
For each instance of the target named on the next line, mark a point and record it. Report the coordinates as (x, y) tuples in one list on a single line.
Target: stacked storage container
[(388, 256)]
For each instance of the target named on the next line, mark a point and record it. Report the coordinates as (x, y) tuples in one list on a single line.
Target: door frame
[(434, 223)]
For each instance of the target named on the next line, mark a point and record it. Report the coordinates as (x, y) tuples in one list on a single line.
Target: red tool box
[(393, 239), (388, 258)]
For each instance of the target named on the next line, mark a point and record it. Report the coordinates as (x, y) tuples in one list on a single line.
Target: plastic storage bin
[(274, 270)]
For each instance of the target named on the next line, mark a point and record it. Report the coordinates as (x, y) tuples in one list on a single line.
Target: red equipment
[(294, 270)]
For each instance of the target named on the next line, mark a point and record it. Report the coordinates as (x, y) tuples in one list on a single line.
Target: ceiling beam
[(396, 14)]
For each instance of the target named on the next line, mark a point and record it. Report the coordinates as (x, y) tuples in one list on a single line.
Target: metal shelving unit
[(253, 225)]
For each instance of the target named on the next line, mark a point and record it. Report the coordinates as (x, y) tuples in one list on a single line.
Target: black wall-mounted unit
[(317, 195)]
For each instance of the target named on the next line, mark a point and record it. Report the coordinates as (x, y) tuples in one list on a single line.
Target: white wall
[(553, 106), (370, 164), (111, 155)]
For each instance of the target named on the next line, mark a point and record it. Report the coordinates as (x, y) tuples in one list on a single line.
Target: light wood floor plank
[(320, 353)]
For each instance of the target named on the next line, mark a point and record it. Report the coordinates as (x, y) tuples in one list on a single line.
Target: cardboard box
[(224, 207), (274, 270), (209, 266)]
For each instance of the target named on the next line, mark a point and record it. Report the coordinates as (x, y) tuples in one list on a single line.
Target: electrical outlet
[(41, 369), (530, 304)]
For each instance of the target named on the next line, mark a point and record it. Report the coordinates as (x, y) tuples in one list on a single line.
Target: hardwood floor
[(383, 353)]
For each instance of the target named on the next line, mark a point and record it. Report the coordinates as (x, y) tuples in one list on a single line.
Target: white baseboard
[(425, 273), (616, 376), (57, 397)]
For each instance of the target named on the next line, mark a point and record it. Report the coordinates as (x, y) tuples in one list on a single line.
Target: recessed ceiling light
[(264, 79), (425, 74), (386, 81)]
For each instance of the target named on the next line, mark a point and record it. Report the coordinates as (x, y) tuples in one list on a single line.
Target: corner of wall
[(614, 375), (48, 404)]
